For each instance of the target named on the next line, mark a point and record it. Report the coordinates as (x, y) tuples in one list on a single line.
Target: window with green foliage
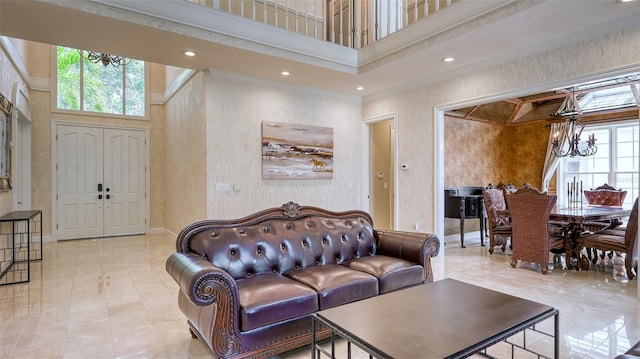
[(86, 86)]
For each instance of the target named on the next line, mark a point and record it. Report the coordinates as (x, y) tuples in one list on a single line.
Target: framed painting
[(294, 151)]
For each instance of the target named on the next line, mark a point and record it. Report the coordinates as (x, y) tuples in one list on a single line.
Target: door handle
[(99, 187), (99, 196), (108, 196)]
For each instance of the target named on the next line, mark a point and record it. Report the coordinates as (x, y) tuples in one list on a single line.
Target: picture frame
[(296, 151)]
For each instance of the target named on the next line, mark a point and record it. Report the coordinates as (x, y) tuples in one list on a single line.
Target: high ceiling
[(477, 33), (541, 106)]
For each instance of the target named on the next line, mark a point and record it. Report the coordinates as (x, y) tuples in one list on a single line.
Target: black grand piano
[(465, 203)]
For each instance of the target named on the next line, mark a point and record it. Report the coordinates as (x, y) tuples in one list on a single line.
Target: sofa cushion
[(270, 298), (392, 273), (336, 284)]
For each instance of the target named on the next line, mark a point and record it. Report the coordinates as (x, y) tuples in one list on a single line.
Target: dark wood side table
[(19, 245)]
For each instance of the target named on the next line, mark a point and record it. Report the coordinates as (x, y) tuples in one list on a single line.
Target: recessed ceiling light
[(448, 59), (359, 88), (285, 73), (190, 53)]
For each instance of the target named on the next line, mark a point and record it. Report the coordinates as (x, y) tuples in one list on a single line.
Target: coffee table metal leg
[(556, 336)]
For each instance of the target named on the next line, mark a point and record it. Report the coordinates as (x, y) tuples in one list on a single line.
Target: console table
[(464, 203), (19, 245)]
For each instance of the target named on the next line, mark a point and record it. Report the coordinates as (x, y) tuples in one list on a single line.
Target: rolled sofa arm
[(412, 246), (204, 284), (198, 278)]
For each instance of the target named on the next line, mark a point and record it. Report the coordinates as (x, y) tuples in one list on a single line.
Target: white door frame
[(54, 158), (366, 205)]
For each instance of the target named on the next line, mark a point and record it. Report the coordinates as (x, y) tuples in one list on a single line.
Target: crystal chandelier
[(104, 59), (566, 141)]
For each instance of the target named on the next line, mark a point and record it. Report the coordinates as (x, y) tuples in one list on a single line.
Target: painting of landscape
[(294, 151)]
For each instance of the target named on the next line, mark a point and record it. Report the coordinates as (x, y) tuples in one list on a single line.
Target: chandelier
[(104, 59), (566, 141)]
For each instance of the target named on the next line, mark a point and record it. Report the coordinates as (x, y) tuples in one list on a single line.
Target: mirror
[(5, 143)]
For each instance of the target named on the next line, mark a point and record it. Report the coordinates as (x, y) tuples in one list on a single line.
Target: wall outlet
[(416, 227)]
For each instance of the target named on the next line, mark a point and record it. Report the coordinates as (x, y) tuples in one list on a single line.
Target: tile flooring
[(112, 298)]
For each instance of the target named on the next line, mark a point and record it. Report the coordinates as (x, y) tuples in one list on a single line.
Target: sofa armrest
[(204, 284), (200, 280), (412, 246)]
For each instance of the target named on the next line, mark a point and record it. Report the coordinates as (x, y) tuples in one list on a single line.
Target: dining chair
[(532, 237), (498, 220), (621, 239)]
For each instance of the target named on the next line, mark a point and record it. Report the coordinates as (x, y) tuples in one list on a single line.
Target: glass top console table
[(20, 243)]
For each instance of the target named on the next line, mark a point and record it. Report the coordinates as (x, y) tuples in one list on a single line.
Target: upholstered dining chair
[(499, 223), (621, 239), (532, 237)]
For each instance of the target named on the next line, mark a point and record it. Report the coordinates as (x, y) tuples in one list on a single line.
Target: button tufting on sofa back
[(279, 245)]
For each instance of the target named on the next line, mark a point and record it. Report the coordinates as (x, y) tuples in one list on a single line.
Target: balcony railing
[(352, 23)]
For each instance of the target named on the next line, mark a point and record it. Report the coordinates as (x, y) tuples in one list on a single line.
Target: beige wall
[(185, 155), (615, 51), (236, 108)]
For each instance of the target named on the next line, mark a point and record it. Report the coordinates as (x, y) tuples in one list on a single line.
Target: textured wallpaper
[(185, 146)]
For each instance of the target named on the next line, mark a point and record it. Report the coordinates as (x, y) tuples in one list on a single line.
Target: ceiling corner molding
[(14, 56), (177, 84), (156, 98), (40, 84)]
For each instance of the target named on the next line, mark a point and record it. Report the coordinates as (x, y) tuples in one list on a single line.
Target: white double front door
[(101, 181)]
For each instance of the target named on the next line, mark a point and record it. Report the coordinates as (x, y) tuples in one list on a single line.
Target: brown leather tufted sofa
[(248, 287)]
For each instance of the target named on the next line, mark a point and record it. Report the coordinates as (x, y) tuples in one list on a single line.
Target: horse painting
[(318, 164)]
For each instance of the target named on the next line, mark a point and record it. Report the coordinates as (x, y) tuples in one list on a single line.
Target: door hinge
[(56, 226)]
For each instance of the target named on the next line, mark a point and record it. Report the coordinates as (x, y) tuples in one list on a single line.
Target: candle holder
[(574, 194)]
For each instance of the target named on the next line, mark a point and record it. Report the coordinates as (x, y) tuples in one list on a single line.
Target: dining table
[(573, 221)]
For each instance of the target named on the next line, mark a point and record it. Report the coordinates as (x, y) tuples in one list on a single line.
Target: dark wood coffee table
[(444, 319)]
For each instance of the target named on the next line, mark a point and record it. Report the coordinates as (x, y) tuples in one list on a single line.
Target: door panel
[(79, 170), (89, 157), (124, 161)]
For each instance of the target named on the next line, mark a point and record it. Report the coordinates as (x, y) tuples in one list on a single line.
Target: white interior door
[(124, 164), (101, 182)]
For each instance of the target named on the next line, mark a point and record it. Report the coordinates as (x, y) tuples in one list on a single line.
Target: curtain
[(551, 161)]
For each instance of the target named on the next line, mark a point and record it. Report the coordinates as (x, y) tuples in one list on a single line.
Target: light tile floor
[(112, 298)]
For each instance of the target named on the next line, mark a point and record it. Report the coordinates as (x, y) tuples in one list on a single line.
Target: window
[(615, 163), (93, 87)]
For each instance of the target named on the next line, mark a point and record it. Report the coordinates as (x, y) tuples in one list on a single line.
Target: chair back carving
[(506, 188)]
